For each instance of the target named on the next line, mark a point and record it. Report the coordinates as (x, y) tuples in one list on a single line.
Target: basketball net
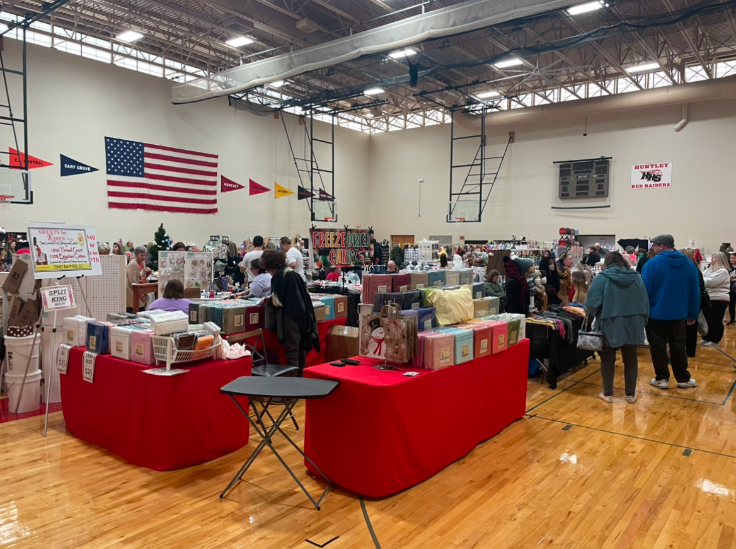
[(5, 200)]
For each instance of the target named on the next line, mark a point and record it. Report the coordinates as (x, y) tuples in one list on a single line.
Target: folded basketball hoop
[(6, 198)]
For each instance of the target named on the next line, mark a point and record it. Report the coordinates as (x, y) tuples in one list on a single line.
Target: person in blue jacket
[(672, 284)]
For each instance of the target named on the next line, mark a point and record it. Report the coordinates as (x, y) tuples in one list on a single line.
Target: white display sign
[(57, 298), (651, 176), (59, 249), (63, 358), (88, 367)]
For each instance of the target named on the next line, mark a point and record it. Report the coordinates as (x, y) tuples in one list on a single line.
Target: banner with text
[(59, 249), (651, 176), (342, 247)]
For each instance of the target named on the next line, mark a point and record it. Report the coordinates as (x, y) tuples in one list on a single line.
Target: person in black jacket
[(593, 257), (644, 256), (691, 332), (296, 325)]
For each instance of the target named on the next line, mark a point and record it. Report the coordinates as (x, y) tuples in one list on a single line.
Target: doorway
[(401, 239)]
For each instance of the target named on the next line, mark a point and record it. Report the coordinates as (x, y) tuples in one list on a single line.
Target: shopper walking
[(563, 271), (377, 252), (671, 281), (296, 325), (248, 258), (732, 292), (692, 329), (294, 257), (618, 300), (718, 285)]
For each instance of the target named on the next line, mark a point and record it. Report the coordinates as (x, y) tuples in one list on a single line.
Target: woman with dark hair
[(443, 262), (232, 268), (179, 247), (618, 300), (173, 299), (117, 249), (553, 282), (691, 330), (563, 273), (296, 325), (644, 256)]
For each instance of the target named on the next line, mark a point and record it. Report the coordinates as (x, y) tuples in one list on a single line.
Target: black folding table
[(264, 390)]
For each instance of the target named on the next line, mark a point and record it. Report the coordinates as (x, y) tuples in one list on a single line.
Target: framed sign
[(343, 247), (57, 298), (651, 176), (59, 249)]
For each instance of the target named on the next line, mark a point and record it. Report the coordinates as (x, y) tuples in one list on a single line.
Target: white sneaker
[(659, 383), (605, 398), (710, 344), (702, 342), (689, 384)]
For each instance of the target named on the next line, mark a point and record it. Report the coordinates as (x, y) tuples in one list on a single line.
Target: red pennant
[(18, 160), (324, 196), (256, 188), (227, 185)]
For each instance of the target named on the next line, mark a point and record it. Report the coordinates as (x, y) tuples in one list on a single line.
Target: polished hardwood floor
[(574, 473)]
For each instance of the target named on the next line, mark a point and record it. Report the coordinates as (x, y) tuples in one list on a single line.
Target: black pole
[(25, 106)]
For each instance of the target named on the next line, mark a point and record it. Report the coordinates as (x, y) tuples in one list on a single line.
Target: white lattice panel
[(106, 293)]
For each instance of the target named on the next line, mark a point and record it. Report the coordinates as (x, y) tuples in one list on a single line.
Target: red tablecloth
[(380, 432), (313, 358), (152, 421)]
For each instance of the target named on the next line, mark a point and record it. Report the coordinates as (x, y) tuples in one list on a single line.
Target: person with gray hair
[(136, 273), (103, 248)]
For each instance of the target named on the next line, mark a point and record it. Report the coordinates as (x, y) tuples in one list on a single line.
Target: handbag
[(592, 340), (702, 324), (704, 301)]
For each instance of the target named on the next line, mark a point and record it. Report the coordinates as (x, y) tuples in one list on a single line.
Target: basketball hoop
[(460, 219), (329, 219), (5, 200)]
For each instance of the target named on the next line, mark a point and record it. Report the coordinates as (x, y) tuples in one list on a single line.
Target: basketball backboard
[(15, 186), (463, 211), (325, 211)]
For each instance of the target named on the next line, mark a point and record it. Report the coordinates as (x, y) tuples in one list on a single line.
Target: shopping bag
[(388, 335), (702, 324)]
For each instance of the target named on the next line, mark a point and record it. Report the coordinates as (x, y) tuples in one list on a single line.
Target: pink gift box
[(439, 350), (375, 283), (401, 282), (141, 347)]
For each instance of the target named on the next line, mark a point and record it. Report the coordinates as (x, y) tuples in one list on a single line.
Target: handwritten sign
[(344, 247), (57, 298), (62, 361), (88, 367), (60, 249)]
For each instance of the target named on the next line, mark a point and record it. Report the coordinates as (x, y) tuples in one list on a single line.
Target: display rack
[(164, 350)]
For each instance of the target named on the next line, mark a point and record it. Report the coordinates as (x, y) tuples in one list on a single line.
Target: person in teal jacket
[(618, 300)]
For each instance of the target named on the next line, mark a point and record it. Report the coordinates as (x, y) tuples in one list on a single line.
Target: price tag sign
[(62, 361), (57, 298), (88, 371)]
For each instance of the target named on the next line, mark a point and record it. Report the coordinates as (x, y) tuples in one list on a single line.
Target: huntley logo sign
[(651, 176)]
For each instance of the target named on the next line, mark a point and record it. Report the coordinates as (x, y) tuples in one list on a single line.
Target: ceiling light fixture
[(584, 8), (398, 54), (129, 36), (509, 63), (643, 68), (486, 95), (277, 84), (374, 91), (239, 41)]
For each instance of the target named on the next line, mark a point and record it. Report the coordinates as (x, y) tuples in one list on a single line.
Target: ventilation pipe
[(683, 122)]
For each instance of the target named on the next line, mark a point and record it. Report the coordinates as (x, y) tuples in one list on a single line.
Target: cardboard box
[(15, 277), (343, 342), (321, 313), (341, 306)]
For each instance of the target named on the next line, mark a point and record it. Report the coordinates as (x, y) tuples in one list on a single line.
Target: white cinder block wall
[(74, 103)]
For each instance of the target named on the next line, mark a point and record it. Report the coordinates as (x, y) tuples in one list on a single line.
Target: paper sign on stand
[(63, 358), (57, 298), (59, 249), (88, 371)]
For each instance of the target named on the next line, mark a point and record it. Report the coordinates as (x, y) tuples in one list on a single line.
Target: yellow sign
[(280, 191)]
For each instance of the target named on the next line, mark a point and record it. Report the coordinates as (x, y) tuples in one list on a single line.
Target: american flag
[(152, 177)]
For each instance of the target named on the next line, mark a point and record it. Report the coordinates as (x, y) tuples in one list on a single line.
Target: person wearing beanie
[(517, 287), (672, 284)]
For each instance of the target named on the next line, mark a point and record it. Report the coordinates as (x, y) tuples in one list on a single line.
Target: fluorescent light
[(584, 8), (368, 115), (509, 63), (129, 36), (239, 41), (487, 94), (644, 67), (374, 91), (277, 84), (398, 54)]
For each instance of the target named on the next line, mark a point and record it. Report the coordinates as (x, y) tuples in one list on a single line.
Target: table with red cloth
[(159, 422), (313, 358), (380, 432)]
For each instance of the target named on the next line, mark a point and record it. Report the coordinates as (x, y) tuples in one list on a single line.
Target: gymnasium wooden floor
[(574, 473)]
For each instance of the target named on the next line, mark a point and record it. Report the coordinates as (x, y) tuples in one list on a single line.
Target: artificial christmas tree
[(163, 243)]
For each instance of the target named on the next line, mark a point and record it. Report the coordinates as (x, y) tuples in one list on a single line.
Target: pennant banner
[(227, 185), (281, 192), (325, 197), (304, 193), (18, 160), (69, 166), (256, 188)]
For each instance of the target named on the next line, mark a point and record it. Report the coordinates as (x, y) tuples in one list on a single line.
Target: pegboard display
[(170, 267), (106, 293), (194, 269)]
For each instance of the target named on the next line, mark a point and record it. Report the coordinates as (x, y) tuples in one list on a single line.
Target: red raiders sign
[(651, 176)]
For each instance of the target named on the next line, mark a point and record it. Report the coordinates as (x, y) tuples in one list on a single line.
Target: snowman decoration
[(377, 346)]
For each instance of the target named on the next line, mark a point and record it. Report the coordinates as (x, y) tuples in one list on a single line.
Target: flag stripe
[(154, 202), (203, 182), (164, 188), (180, 151), (161, 208), (176, 169), (180, 160), (145, 196)]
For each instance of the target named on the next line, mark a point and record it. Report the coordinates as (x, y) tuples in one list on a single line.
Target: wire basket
[(164, 350)]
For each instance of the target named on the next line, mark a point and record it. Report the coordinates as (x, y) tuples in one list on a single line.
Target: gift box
[(319, 311), (494, 305), (426, 319), (522, 323), (514, 328), (194, 312), (500, 335), (419, 281), (120, 341), (479, 290), (98, 337), (452, 277), (329, 302), (380, 300), (375, 283), (170, 323), (75, 330), (255, 317), (412, 299), (111, 317), (401, 282), (439, 350), (233, 320), (480, 308), (341, 306), (463, 345), (436, 278), (482, 338), (141, 347), (466, 277)]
